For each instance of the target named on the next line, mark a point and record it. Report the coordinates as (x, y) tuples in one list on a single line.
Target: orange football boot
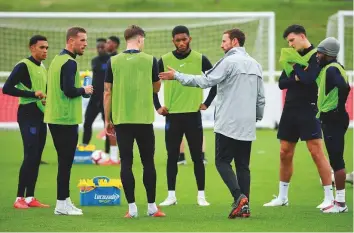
[(36, 203), (21, 204), (158, 213), (127, 215)]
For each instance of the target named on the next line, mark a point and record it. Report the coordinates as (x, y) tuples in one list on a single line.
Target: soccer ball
[(98, 156)]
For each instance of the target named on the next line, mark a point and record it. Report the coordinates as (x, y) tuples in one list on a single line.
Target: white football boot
[(65, 209), (324, 204), (202, 201), (69, 202), (169, 201), (277, 202), (335, 208)]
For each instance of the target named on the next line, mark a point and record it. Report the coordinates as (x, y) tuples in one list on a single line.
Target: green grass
[(312, 14), (301, 215)]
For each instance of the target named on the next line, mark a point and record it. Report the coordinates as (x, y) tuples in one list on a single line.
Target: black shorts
[(300, 123), (179, 124)]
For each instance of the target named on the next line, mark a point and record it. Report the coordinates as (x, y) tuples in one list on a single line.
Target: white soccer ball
[(98, 156)]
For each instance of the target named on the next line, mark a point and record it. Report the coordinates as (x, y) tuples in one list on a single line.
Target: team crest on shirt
[(104, 66)]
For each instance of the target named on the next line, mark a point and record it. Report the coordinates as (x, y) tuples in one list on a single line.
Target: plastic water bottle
[(87, 82)]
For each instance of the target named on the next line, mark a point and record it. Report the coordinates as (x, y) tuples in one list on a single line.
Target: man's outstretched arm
[(214, 76)]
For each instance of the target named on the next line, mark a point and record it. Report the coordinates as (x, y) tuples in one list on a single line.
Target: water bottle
[(87, 82)]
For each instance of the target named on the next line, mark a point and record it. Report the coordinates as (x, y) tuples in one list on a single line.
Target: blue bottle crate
[(100, 196)]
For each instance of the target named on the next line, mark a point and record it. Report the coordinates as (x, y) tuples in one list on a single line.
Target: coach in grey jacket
[(240, 103)]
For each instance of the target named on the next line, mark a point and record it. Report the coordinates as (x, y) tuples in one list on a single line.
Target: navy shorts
[(300, 123)]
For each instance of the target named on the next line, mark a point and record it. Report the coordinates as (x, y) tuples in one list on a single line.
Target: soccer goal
[(206, 30), (340, 26)]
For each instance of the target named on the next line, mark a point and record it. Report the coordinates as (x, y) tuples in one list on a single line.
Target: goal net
[(206, 29), (340, 26)]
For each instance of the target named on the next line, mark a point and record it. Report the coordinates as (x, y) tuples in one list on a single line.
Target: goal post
[(340, 26)]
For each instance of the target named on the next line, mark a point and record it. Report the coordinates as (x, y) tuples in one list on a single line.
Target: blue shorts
[(298, 123)]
